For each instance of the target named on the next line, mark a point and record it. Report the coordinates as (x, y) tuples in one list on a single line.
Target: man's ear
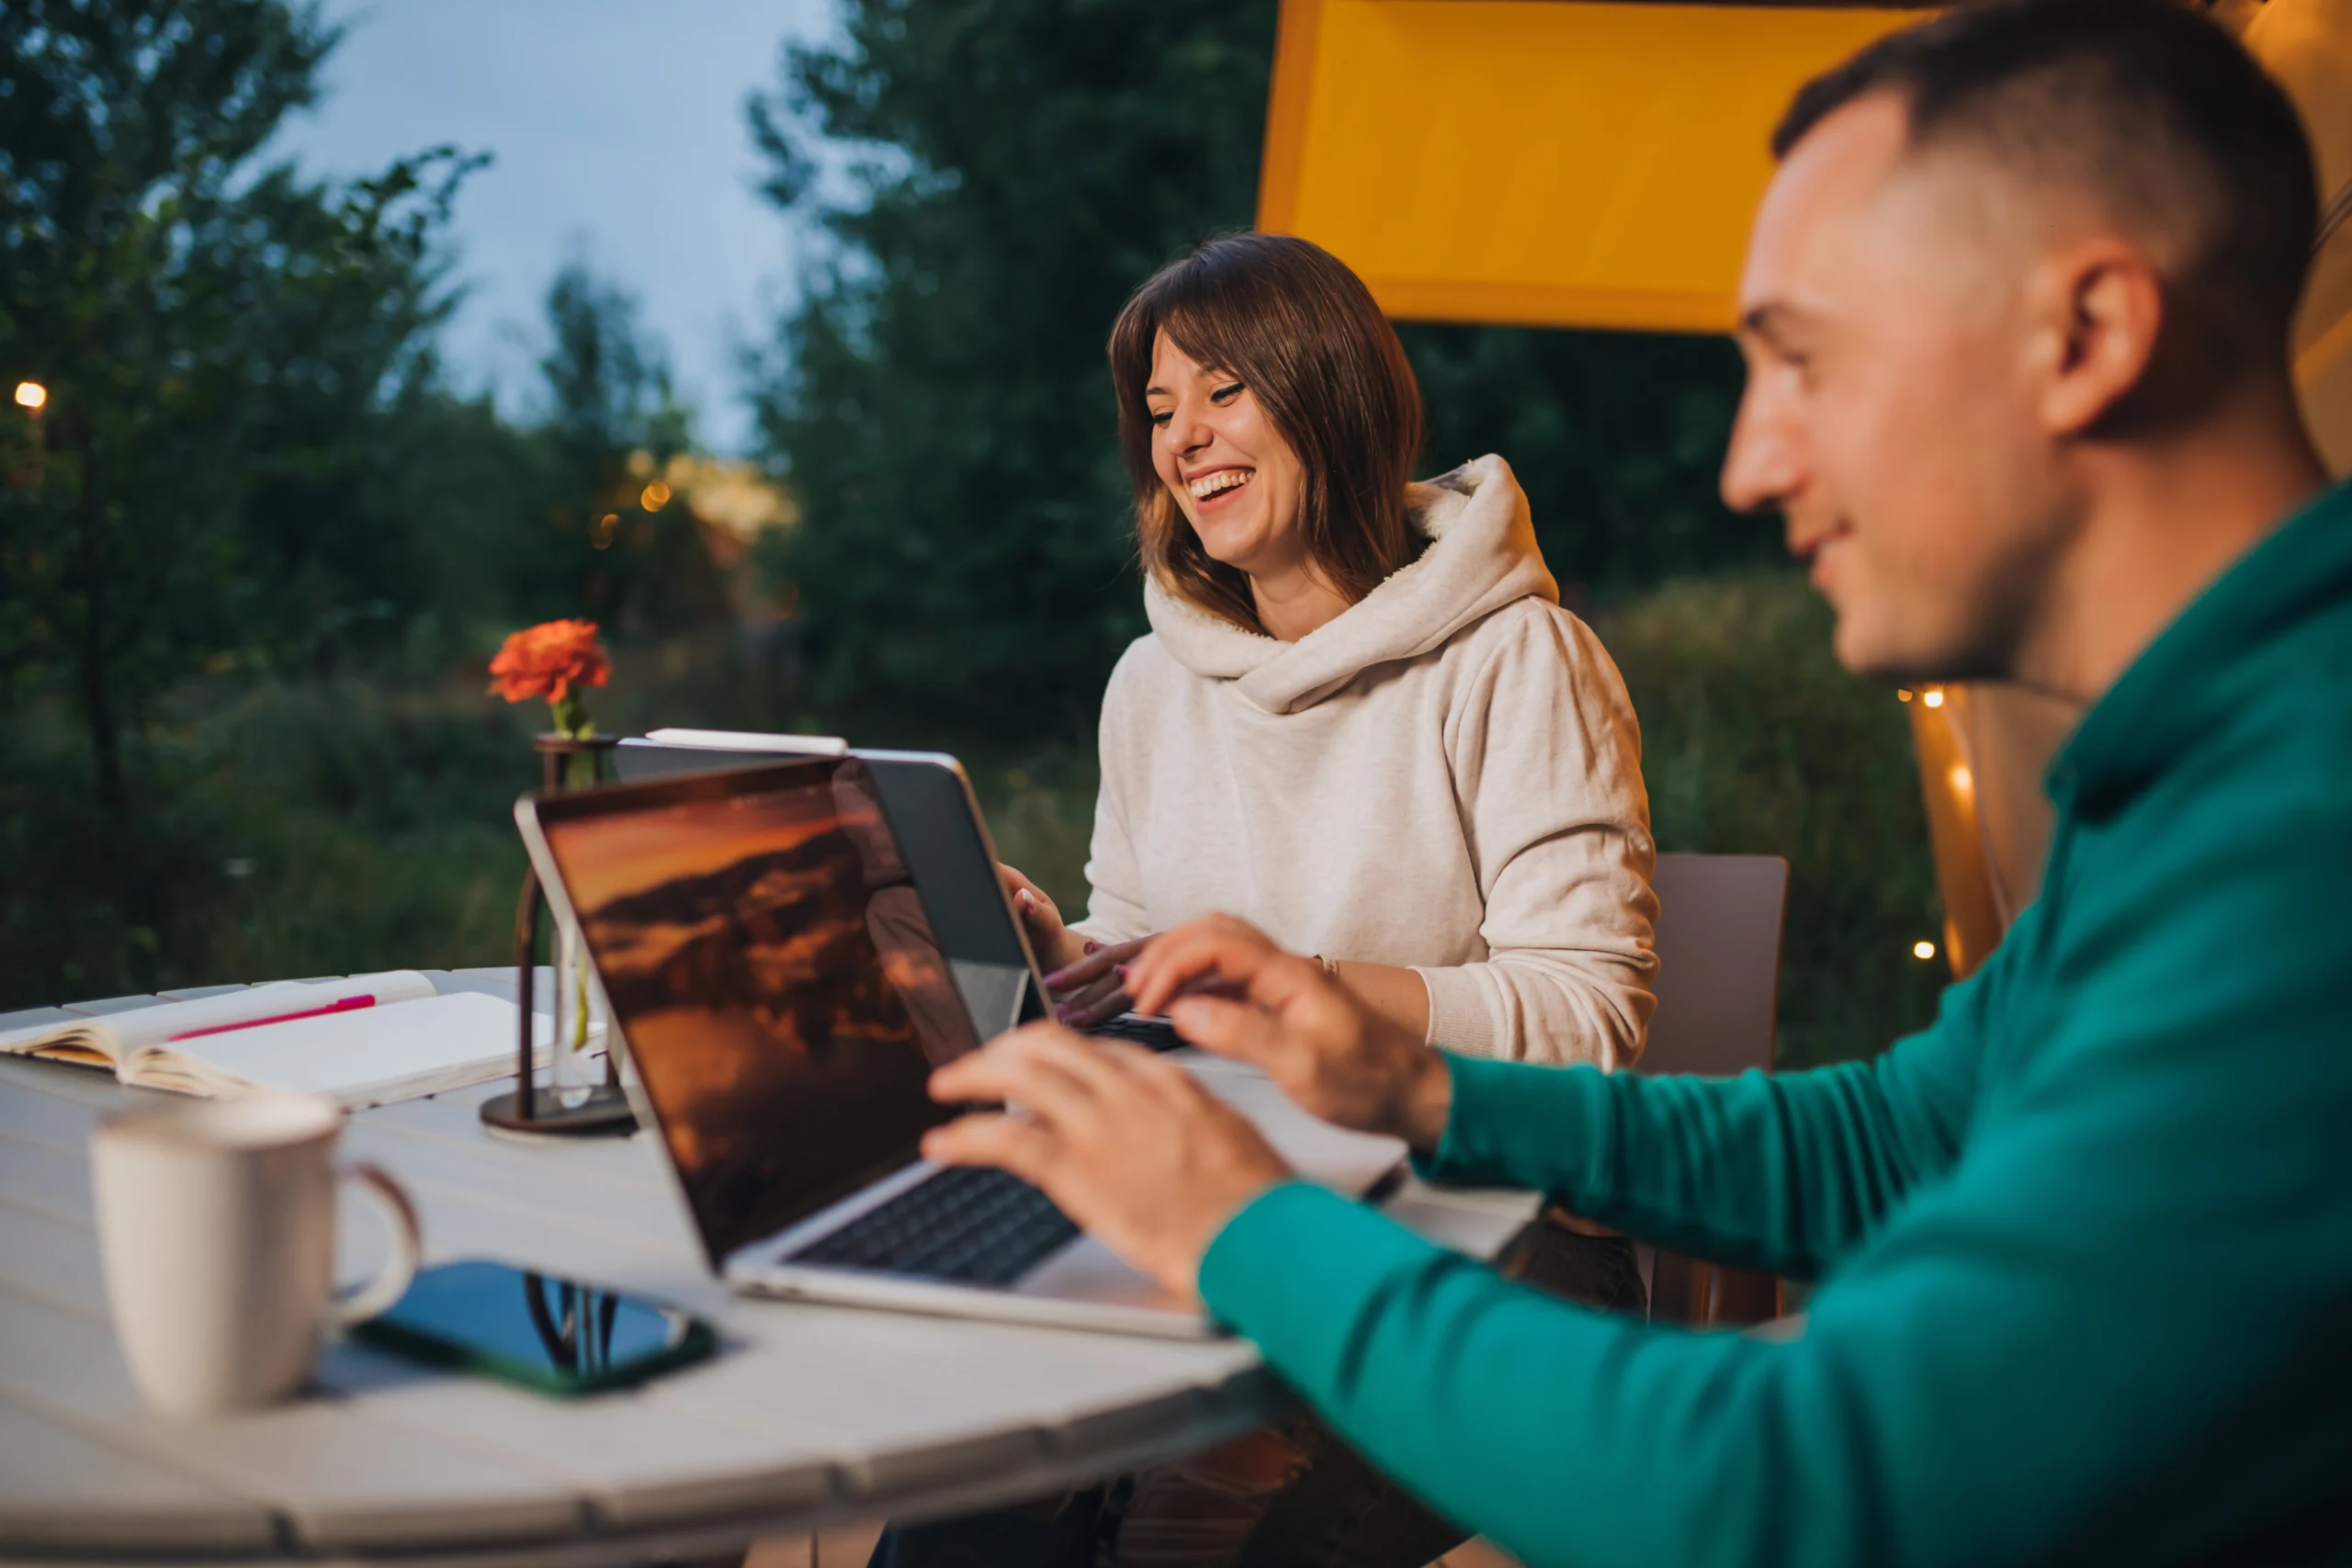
[(2101, 310)]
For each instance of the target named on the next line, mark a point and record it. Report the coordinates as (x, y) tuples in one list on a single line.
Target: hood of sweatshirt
[(1482, 555)]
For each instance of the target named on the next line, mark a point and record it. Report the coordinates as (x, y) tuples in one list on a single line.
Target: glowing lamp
[(32, 396), (1923, 949)]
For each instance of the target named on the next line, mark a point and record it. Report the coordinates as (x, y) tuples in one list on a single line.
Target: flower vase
[(573, 1070), (583, 1094)]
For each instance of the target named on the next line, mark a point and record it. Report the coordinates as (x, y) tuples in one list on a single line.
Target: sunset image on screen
[(768, 960)]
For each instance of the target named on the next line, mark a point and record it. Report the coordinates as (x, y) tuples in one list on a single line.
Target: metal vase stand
[(528, 1110)]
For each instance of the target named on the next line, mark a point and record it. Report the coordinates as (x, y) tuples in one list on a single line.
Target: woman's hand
[(1094, 988), (1084, 976), (1055, 945), (1327, 1049)]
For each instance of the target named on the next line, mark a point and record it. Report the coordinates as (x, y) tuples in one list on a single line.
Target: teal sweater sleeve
[(1776, 1173), (2113, 1330)]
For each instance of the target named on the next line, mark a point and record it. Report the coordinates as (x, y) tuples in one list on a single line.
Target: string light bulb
[(1933, 699), (31, 396), (1923, 949)]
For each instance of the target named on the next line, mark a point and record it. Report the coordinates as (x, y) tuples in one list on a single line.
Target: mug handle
[(392, 1281)]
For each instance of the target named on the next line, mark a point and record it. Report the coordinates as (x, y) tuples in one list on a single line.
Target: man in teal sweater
[(2015, 313)]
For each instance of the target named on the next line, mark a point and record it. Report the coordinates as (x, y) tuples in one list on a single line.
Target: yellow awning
[(1553, 163)]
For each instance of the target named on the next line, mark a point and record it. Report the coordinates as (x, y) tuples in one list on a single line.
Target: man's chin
[(1871, 655)]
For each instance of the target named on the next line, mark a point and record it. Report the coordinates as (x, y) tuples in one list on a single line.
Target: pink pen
[(341, 1004)]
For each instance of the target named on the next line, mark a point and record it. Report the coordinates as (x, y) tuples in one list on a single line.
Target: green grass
[(332, 827)]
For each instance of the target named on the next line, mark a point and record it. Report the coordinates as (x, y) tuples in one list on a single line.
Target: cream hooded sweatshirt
[(1446, 777)]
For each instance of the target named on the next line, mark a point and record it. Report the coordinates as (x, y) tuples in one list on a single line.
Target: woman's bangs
[(1201, 322)]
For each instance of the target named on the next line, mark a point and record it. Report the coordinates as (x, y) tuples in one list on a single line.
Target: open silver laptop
[(775, 979), (944, 837)]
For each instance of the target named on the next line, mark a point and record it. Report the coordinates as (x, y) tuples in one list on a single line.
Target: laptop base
[(1083, 1288)]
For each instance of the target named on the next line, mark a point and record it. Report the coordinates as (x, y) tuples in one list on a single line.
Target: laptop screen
[(771, 967), (931, 809)]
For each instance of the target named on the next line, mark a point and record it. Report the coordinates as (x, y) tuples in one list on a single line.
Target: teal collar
[(2186, 683)]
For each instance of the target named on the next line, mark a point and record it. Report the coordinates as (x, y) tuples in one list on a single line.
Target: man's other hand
[(1128, 1144), (1332, 1054)]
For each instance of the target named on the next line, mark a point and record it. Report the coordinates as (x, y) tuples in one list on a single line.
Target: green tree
[(217, 339), (615, 546), (938, 401), (1617, 437)]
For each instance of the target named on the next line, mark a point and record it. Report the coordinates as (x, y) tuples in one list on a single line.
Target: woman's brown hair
[(1289, 321)]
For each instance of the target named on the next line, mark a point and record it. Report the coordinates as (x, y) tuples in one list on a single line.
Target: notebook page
[(99, 1040), (156, 1025), (361, 1057)]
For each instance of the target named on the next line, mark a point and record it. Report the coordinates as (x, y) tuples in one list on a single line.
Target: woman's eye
[(1226, 394), (1160, 419)]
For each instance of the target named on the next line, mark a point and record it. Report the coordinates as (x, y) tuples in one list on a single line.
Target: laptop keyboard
[(967, 1224), (1152, 1034)]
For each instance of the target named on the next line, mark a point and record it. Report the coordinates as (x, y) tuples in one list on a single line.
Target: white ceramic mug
[(216, 1225)]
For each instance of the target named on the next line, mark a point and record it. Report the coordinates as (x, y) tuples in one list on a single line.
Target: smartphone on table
[(557, 1336)]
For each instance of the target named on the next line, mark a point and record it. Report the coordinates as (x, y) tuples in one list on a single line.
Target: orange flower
[(548, 660)]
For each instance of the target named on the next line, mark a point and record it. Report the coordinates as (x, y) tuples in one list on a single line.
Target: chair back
[(1718, 942)]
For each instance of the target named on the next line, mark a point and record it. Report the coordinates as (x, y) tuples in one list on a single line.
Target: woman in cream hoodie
[(1362, 720)]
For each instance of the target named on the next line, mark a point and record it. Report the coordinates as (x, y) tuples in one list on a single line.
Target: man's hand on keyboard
[(1127, 1143), (1333, 1055)]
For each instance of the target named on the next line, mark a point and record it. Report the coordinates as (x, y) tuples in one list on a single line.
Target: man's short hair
[(2148, 107)]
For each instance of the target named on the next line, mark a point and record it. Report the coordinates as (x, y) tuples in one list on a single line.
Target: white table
[(809, 1417)]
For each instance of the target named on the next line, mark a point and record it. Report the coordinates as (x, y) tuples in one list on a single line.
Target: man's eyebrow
[(1774, 322)]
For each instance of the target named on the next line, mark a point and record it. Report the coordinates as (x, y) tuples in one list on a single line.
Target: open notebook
[(369, 1040)]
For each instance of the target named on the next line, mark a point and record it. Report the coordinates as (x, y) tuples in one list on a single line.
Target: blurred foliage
[(214, 338), (315, 827), (1754, 742), (1615, 436), (250, 474), (617, 546)]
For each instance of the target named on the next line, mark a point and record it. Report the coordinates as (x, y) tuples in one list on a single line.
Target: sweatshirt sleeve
[(1547, 758), (1114, 908)]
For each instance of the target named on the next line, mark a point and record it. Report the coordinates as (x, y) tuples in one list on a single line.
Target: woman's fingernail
[(1066, 1016), (1094, 947), (1055, 979)]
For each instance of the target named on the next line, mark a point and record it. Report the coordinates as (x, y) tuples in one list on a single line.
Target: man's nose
[(1763, 467)]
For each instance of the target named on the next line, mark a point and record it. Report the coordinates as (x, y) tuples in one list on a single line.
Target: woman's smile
[(1217, 485), (1229, 470)]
